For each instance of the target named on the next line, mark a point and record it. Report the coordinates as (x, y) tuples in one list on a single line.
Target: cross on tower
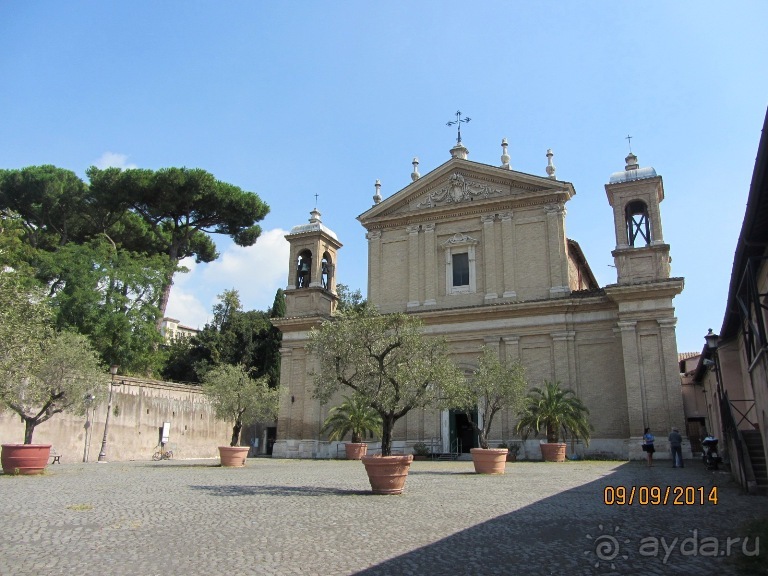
[(458, 122), (629, 139), (316, 195)]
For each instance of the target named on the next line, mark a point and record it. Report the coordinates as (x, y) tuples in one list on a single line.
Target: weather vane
[(459, 120), (629, 139)]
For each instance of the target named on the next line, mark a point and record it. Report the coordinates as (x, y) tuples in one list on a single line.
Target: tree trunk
[(551, 434), (236, 433), (164, 297), (388, 423), (29, 428)]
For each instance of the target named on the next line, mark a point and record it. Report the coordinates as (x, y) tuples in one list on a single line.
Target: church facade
[(480, 254)]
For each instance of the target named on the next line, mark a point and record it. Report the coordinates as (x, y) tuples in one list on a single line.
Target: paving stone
[(281, 517)]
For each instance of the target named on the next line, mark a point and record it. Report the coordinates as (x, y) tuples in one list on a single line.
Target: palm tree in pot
[(353, 416), (560, 413)]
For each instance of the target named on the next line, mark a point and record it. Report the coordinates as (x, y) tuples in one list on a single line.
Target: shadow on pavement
[(575, 532), (279, 491)]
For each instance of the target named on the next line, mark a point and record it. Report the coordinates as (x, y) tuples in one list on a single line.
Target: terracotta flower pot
[(25, 458), (387, 474), (553, 452), (355, 450), (233, 455), (489, 460)]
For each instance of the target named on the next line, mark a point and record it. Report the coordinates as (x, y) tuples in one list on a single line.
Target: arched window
[(326, 271), (638, 222), (304, 269)]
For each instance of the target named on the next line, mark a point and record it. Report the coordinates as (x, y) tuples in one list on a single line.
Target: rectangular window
[(461, 269)]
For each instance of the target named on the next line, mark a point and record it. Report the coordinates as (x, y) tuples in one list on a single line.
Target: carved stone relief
[(459, 189)]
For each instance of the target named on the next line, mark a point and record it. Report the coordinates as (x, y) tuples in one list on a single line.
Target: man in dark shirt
[(676, 445)]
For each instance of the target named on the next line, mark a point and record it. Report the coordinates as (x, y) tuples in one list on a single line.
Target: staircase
[(453, 454), (754, 443)]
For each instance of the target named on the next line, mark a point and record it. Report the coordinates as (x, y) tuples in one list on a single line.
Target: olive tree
[(494, 386), (239, 398), (386, 360), (42, 372)]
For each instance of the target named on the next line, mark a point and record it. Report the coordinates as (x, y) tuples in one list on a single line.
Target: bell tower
[(311, 287), (641, 255)]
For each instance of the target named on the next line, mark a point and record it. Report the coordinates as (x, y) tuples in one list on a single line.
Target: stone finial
[(550, 167), (459, 151), (631, 161), (314, 216), (415, 174), (505, 154), (377, 196)]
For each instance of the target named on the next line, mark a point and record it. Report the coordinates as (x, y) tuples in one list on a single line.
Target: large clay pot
[(489, 460), (553, 452), (233, 455), (387, 474), (25, 458), (355, 450)]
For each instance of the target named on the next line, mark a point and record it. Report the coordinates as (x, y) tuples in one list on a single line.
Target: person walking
[(676, 446), (648, 446)]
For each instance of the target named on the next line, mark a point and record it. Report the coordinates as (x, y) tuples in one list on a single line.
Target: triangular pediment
[(460, 183)]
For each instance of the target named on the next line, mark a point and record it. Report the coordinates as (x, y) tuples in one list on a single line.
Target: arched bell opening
[(304, 269), (326, 272), (638, 223)]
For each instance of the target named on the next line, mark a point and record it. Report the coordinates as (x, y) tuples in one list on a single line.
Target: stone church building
[(480, 254)]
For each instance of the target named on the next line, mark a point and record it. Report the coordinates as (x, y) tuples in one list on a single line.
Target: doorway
[(461, 430)]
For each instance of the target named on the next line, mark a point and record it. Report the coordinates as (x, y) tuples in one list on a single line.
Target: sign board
[(166, 432)]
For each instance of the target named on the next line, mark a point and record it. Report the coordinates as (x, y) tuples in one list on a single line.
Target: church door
[(461, 429)]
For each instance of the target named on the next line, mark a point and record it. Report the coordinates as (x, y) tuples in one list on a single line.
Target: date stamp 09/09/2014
[(660, 495)]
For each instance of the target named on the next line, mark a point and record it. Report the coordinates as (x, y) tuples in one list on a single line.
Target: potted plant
[(353, 416), (560, 413), (388, 362), (512, 450), (494, 386), (42, 372), (421, 451), (242, 400)]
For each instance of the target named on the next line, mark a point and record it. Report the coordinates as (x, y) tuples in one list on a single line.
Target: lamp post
[(103, 453), (712, 341), (88, 400)]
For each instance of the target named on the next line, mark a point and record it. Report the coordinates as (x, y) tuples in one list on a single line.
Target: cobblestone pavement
[(277, 517)]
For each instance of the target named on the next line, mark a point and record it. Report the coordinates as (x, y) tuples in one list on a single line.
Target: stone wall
[(139, 409)]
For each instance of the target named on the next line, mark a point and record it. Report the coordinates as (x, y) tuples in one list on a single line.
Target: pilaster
[(633, 378), (508, 255), (558, 261), (374, 263), (511, 348), (670, 371), (489, 261), (565, 369), (430, 265), (413, 266)]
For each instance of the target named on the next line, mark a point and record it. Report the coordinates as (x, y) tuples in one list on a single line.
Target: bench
[(55, 455)]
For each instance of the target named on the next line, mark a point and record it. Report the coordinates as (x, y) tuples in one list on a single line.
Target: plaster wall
[(139, 409)]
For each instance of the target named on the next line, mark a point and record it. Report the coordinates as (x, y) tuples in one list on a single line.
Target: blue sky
[(292, 99)]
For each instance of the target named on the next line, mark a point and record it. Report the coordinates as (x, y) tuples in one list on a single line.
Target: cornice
[(667, 288), (514, 309)]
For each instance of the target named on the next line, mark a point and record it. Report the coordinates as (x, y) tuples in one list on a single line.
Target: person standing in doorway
[(676, 446), (648, 446)]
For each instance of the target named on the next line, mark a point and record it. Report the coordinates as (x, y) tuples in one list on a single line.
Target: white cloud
[(113, 160), (256, 272)]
